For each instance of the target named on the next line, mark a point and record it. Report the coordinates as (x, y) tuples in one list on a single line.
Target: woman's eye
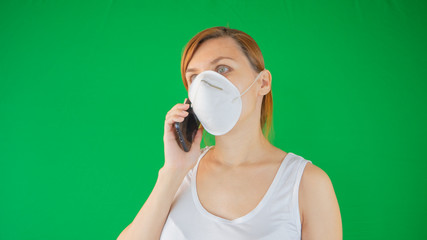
[(221, 69)]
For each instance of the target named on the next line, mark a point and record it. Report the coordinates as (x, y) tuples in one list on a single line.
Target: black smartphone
[(187, 129)]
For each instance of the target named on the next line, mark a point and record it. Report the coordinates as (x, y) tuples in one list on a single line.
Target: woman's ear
[(265, 82)]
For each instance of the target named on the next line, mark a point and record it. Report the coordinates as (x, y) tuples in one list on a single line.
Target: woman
[(246, 187)]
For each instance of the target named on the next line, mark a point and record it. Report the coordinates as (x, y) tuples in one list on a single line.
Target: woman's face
[(224, 56)]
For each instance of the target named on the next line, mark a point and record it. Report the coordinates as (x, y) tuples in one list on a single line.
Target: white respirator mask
[(216, 102)]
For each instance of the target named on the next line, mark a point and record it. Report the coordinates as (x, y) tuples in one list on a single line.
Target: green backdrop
[(85, 87)]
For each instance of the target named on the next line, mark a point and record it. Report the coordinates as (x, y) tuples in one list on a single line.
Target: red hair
[(252, 51)]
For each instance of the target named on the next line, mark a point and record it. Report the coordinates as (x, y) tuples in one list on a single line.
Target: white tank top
[(275, 217)]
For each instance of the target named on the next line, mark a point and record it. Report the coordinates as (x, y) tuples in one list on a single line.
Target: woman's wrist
[(172, 173)]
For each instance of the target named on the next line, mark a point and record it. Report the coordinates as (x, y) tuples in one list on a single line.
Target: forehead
[(212, 48)]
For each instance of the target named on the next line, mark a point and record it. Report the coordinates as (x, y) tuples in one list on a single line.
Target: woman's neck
[(245, 143)]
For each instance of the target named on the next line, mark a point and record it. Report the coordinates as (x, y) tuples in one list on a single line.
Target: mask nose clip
[(211, 84)]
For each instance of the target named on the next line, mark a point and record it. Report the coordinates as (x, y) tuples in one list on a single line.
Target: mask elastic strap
[(259, 74)]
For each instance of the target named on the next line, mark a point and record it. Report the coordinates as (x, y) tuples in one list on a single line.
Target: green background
[(85, 87)]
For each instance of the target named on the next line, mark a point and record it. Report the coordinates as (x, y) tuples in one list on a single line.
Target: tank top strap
[(286, 195), (203, 151), (298, 170)]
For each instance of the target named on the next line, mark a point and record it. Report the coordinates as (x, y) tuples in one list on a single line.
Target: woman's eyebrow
[(213, 62)]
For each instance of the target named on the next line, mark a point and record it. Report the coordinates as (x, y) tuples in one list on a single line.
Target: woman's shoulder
[(314, 178), (314, 174), (318, 204), (317, 194), (204, 150)]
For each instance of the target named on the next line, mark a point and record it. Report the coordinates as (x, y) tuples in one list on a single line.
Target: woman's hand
[(176, 158)]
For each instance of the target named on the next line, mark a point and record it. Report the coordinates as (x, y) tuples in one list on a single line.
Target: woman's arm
[(321, 217), (149, 221)]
